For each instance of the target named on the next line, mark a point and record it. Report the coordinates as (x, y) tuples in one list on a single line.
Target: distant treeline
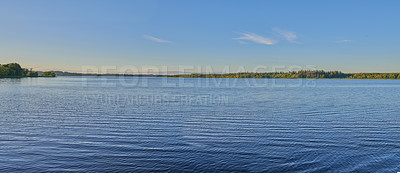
[(306, 74), (14, 70)]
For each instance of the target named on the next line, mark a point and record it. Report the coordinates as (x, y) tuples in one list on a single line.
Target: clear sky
[(346, 35)]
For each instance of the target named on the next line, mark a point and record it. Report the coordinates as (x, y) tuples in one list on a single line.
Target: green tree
[(49, 74)]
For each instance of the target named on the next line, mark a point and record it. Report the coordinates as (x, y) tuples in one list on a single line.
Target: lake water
[(116, 124)]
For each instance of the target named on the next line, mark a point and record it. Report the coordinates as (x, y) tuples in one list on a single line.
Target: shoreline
[(161, 76), (19, 77)]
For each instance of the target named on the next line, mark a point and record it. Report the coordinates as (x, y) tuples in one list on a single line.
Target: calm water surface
[(112, 124)]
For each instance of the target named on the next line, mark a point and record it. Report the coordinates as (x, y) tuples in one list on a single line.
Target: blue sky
[(351, 36)]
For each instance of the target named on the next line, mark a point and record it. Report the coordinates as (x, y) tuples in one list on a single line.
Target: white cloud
[(256, 38), (288, 35), (158, 40), (344, 41)]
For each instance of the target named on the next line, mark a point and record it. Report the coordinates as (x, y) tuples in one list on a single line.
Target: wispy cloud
[(155, 39), (256, 38), (288, 35), (344, 41)]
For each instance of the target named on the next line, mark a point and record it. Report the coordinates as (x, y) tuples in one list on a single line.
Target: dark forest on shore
[(306, 74), (14, 70)]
